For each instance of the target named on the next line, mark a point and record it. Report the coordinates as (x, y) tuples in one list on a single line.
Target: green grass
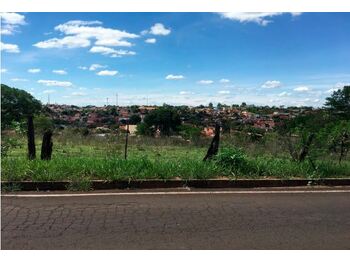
[(81, 159), (87, 168)]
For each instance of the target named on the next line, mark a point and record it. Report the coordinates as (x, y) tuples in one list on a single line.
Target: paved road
[(178, 221)]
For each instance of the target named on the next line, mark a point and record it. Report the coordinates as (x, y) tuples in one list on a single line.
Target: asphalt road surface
[(185, 220)]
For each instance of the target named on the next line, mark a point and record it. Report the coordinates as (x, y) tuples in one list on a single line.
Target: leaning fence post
[(31, 138), (46, 147), (214, 145)]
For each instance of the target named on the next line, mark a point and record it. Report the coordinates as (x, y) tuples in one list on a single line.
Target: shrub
[(232, 158), (189, 132), (7, 144)]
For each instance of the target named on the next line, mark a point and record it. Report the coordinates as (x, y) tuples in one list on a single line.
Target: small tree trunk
[(214, 145), (31, 138), (126, 141), (343, 149), (46, 147), (291, 149), (305, 149)]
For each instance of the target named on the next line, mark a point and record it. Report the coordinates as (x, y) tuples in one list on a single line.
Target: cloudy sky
[(176, 58)]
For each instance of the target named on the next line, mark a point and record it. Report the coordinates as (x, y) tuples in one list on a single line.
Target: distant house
[(208, 131), (124, 113), (92, 118), (264, 124), (281, 115), (132, 129)]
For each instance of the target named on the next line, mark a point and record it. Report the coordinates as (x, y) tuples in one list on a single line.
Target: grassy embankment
[(80, 159)]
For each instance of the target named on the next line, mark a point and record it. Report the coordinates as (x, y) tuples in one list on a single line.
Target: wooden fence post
[(126, 141), (46, 147), (31, 138)]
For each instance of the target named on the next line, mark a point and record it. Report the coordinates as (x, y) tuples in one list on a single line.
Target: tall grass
[(79, 159), (77, 168), (87, 168)]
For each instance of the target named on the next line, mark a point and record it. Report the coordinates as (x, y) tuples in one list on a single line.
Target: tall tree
[(16, 105), (165, 118), (339, 103)]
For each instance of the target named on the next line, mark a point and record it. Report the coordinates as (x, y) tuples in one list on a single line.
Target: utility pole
[(48, 99), (107, 101), (116, 99)]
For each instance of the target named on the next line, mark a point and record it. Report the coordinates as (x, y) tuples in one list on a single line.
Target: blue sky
[(177, 58)]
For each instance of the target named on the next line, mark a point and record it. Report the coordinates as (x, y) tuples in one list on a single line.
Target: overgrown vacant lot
[(82, 158)]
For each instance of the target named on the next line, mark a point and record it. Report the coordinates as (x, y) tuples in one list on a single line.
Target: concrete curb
[(154, 184)]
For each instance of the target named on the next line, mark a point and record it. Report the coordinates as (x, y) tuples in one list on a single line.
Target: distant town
[(109, 118)]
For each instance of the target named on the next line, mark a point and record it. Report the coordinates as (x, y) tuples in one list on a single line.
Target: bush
[(43, 123), (232, 158), (189, 132), (7, 144)]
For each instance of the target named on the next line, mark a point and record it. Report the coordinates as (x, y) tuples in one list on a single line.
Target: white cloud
[(96, 66), (107, 51), (157, 29), (340, 85), (66, 42), (302, 89), (284, 94), (331, 90), (205, 82), (81, 33), (261, 18), (271, 84), (49, 91), (224, 80), (82, 67), (224, 92), (18, 79), (337, 86), (9, 48), (83, 23), (3, 70), (107, 73), (185, 92), (56, 83), (59, 72), (34, 70), (174, 77), (78, 93), (151, 40), (10, 22)]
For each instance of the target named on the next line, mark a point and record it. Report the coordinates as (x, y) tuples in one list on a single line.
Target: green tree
[(143, 129), (165, 118), (16, 105), (43, 123), (189, 132), (135, 119), (339, 103), (243, 105)]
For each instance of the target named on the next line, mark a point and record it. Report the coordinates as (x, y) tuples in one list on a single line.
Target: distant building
[(132, 128)]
